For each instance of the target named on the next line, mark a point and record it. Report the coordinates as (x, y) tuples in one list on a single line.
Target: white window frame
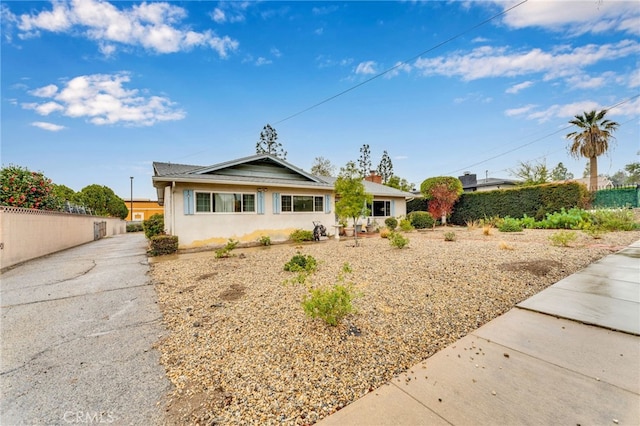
[(292, 203), (212, 196)]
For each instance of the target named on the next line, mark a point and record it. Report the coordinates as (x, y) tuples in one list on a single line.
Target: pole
[(131, 199)]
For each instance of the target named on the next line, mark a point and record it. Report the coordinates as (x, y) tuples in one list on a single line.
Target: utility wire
[(536, 140), (406, 62)]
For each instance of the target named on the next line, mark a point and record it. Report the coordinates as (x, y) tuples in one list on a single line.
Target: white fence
[(26, 234)]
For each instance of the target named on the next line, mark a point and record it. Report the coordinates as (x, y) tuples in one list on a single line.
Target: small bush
[(509, 224), (405, 225), (450, 236), (300, 263), (300, 235), (421, 220), (614, 220), (225, 251), (331, 305), (154, 226), (265, 240), (135, 227), (391, 223), (486, 229), (529, 222), (563, 238), (163, 244), (397, 240), (385, 232), (504, 246), (472, 224)]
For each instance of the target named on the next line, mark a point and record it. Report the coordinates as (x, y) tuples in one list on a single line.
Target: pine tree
[(268, 143)]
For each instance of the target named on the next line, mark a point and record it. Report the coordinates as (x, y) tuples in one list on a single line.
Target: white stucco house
[(251, 197)]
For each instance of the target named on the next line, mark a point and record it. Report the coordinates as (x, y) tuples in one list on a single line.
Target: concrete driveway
[(77, 332)]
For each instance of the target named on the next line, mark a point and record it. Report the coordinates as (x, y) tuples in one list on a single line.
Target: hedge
[(163, 244), (534, 201)]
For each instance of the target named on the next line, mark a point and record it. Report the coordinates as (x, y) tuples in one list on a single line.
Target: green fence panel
[(626, 197)]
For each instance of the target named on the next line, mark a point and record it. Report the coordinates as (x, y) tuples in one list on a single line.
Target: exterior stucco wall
[(26, 234), (214, 229)]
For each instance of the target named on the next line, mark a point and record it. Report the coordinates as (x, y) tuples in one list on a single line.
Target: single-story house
[(252, 197)]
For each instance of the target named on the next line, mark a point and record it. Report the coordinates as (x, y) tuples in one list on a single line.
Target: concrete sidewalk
[(568, 355)]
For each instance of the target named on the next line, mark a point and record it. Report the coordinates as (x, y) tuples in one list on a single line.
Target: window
[(203, 202), (381, 208), (220, 202), (302, 203)]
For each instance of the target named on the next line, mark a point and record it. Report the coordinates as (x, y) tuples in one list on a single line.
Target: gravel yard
[(240, 349)]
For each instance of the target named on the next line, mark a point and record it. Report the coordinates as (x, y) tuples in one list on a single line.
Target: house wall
[(214, 229), (142, 209)]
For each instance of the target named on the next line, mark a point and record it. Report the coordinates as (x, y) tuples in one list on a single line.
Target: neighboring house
[(142, 209), (251, 197), (603, 182), (471, 184)]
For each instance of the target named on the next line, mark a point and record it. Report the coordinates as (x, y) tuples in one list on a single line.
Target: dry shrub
[(486, 229), (504, 246)]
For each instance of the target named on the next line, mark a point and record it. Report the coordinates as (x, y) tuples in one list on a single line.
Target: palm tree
[(591, 140)]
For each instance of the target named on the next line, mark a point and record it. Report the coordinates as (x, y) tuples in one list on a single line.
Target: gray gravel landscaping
[(240, 349)]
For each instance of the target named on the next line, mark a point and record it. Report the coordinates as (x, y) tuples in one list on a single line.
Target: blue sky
[(94, 91)]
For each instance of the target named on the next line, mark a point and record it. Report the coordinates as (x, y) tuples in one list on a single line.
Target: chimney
[(374, 177), (468, 180)]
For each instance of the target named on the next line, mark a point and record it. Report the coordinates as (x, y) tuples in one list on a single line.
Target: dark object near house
[(318, 231)]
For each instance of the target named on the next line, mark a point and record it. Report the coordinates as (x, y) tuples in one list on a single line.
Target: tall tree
[(400, 183), (634, 173), (364, 162), (591, 140), (352, 199), (268, 143), (385, 168), (560, 172), (322, 167), (442, 192), (531, 174), (102, 201)]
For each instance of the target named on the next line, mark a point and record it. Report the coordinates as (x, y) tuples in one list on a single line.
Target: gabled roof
[(255, 169)]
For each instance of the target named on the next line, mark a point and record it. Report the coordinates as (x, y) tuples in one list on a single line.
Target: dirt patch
[(539, 268), (196, 405), (234, 292), (206, 276)]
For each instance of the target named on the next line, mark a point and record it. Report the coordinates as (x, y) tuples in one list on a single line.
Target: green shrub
[(331, 305), (563, 238), (614, 220), (163, 244), (225, 251), (405, 225), (135, 227), (154, 225), (398, 240), (509, 224), (265, 240), (300, 235), (391, 223), (528, 222), (300, 262), (565, 219), (534, 201), (421, 220), (450, 236)]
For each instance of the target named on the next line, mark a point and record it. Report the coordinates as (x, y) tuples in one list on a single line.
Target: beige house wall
[(26, 234), (214, 229)]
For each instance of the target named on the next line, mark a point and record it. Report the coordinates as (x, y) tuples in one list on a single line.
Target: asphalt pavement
[(77, 330)]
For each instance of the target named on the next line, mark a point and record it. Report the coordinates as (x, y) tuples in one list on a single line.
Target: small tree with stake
[(351, 195), (442, 192)]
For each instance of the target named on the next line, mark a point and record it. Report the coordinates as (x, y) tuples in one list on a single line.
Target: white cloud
[(583, 81), (519, 111), (103, 99), (262, 61), (487, 61), (518, 87), (368, 67), (397, 68), (47, 126), (634, 78), (577, 17), (153, 26), (231, 12), (45, 92), (218, 16)]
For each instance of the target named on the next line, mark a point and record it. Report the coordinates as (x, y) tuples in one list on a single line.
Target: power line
[(405, 62), (536, 140)]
